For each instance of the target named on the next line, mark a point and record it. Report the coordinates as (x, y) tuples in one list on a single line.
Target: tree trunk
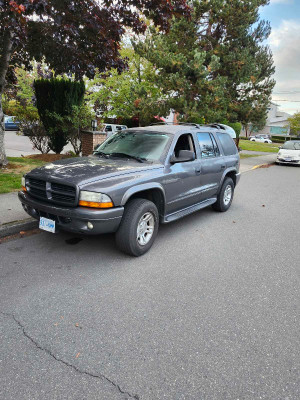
[(4, 63)]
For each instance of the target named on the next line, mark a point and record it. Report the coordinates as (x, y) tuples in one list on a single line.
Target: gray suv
[(136, 179)]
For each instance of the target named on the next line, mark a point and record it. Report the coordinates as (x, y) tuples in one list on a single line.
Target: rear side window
[(227, 143), (208, 147)]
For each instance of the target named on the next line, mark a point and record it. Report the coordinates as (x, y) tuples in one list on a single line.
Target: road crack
[(83, 372)]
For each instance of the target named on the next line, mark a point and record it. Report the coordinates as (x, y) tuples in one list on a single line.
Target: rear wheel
[(138, 228), (225, 196)]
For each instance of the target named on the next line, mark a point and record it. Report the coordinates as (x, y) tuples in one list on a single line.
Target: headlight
[(23, 183), (96, 200), (279, 154)]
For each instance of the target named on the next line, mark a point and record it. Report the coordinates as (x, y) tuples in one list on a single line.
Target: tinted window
[(206, 144), (108, 128), (227, 143)]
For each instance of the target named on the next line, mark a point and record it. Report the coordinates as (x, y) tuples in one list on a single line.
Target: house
[(277, 122)]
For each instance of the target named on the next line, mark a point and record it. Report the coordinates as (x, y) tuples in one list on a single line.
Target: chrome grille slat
[(52, 192)]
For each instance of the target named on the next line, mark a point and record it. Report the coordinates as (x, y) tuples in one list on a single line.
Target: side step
[(189, 210)]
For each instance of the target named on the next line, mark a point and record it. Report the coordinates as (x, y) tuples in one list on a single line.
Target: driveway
[(211, 312)]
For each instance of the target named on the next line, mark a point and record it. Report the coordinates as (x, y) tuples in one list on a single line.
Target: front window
[(148, 146), (291, 145)]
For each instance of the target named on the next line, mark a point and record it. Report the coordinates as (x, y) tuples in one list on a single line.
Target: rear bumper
[(74, 219), (237, 177)]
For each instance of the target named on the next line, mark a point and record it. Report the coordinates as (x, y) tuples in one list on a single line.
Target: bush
[(37, 135), (55, 101)]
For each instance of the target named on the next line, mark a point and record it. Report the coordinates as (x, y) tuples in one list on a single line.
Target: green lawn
[(263, 147), (10, 177)]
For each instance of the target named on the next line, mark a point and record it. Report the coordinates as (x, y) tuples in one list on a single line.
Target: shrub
[(55, 101)]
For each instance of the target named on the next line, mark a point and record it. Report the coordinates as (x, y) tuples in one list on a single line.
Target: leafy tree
[(131, 94), (294, 124), (55, 99), (72, 36), (216, 64)]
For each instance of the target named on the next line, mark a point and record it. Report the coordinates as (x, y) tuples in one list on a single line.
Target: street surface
[(17, 145), (211, 312)]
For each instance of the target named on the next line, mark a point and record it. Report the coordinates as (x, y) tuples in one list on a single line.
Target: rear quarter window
[(227, 143)]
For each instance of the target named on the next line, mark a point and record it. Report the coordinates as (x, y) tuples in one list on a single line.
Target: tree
[(55, 99), (216, 64), (131, 94), (72, 36), (294, 124)]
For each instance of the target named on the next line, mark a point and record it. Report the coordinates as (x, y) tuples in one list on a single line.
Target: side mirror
[(184, 156), (280, 147)]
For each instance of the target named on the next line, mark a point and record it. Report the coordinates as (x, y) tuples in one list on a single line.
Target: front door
[(182, 180)]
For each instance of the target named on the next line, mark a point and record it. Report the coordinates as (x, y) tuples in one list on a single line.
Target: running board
[(189, 210)]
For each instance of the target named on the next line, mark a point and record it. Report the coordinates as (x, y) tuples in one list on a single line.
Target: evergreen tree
[(216, 64)]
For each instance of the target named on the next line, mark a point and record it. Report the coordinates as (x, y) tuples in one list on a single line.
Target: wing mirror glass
[(183, 156)]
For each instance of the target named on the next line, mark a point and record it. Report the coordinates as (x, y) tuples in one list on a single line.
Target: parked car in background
[(289, 153), (136, 180), (11, 124), (260, 139), (110, 129)]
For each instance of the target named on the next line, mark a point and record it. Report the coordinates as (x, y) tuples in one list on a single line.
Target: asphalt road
[(211, 312), (17, 145)]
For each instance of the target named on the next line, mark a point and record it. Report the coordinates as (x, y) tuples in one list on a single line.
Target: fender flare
[(140, 188), (224, 175)]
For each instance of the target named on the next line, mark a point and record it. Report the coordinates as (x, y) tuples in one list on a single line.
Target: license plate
[(288, 159), (47, 225)]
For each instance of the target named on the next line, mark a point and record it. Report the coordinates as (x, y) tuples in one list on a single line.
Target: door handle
[(197, 170)]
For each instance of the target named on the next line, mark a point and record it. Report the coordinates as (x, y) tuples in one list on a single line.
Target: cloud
[(281, 1), (284, 42)]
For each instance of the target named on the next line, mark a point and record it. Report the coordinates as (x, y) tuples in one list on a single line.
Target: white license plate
[(288, 159), (47, 225)]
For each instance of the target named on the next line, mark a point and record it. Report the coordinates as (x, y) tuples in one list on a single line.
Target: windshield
[(135, 144), (291, 145)]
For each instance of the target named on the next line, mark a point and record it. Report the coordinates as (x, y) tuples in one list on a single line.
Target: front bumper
[(280, 160), (237, 177), (74, 219)]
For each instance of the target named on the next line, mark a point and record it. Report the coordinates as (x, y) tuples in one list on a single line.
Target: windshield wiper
[(139, 159), (101, 153)]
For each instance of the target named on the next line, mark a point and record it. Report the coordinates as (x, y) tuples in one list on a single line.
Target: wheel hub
[(145, 228)]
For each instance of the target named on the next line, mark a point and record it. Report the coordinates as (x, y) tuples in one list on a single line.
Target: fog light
[(90, 225)]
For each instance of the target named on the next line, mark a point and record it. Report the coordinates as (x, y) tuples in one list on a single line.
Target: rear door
[(212, 165)]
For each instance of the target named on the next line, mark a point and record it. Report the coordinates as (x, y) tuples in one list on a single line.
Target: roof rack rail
[(216, 125), (161, 123)]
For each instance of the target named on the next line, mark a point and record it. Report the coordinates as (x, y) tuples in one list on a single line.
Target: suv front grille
[(51, 191)]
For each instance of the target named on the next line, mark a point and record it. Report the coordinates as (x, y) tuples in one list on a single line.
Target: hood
[(84, 170), (293, 154)]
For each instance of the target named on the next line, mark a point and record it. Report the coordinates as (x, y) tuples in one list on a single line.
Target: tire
[(137, 211), (266, 141), (222, 204)]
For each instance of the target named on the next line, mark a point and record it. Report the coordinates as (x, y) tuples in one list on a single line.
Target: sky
[(284, 16)]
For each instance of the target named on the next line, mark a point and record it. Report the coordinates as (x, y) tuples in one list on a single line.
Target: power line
[(290, 101)]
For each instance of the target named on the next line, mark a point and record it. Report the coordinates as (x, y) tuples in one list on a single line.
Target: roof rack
[(218, 126)]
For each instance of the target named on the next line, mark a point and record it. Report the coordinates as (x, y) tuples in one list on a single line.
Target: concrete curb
[(14, 227)]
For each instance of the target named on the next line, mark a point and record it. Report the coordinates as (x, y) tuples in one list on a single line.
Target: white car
[(289, 153), (260, 139)]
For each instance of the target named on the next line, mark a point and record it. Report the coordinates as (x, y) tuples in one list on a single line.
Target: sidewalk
[(247, 164), (14, 219)]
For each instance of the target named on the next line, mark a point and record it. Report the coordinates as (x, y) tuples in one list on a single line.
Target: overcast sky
[(284, 16)]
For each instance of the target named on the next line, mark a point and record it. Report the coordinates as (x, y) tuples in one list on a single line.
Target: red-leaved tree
[(72, 36)]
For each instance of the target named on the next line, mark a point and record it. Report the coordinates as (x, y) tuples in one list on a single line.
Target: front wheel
[(225, 196), (138, 228)]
